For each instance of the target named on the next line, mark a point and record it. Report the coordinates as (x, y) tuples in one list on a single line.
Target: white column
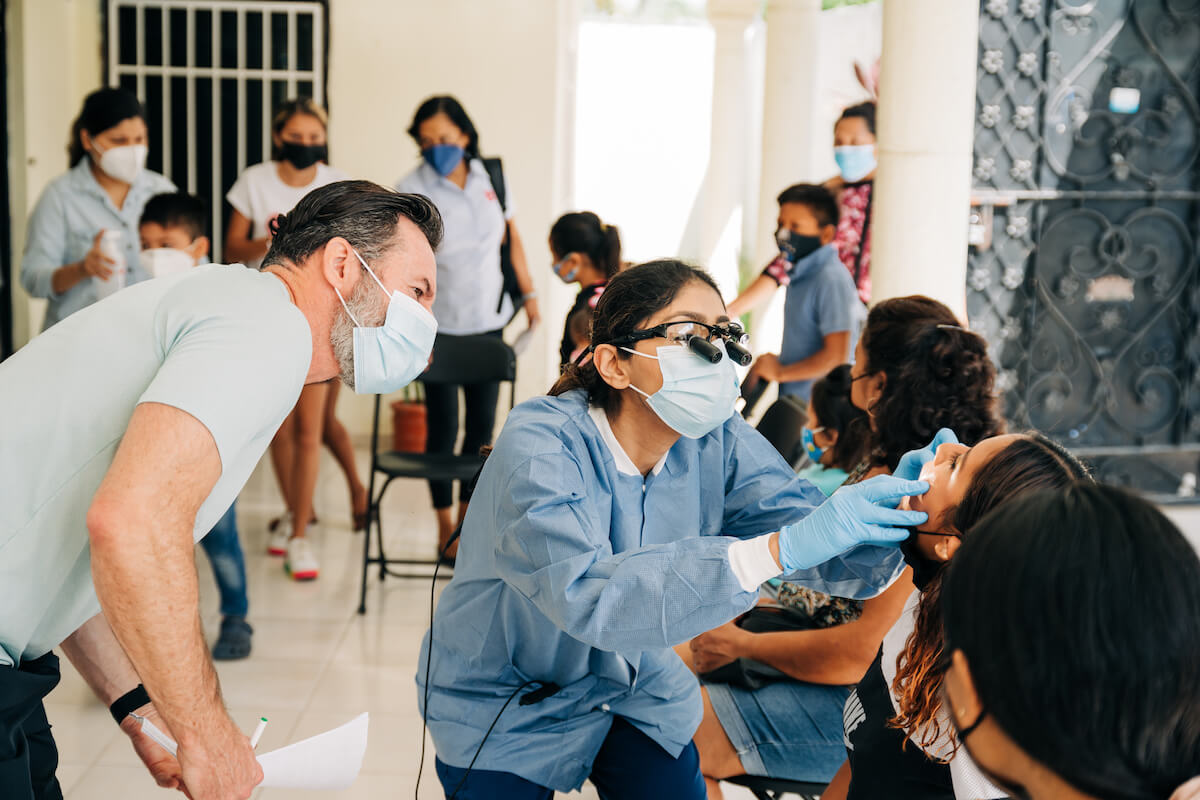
[(718, 227), (789, 107), (926, 134)]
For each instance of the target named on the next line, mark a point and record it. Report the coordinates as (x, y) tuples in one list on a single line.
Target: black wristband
[(130, 701)]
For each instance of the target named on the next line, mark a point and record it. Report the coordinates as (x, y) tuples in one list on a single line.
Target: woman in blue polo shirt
[(470, 297), (105, 190)]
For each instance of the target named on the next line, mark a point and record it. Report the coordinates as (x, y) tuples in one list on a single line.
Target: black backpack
[(495, 171)]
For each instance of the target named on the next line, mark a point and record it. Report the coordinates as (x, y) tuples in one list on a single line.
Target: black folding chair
[(777, 788), (781, 426), (456, 360)]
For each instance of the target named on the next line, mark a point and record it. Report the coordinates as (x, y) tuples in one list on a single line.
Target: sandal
[(233, 642)]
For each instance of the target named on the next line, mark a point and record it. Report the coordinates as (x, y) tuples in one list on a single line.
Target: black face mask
[(796, 246), (924, 569), (303, 156), (1014, 791)]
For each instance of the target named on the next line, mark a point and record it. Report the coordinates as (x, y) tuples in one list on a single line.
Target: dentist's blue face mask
[(443, 157), (696, 395), (809, 438), (855, 162), (389, 357)]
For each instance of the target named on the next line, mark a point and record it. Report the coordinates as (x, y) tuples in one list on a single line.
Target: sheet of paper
[(329, 760)]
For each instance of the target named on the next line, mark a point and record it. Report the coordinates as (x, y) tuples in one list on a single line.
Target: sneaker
[(277, 544), (300, 563)]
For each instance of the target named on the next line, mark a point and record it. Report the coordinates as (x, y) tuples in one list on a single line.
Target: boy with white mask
[(104, 192), (173, 241)]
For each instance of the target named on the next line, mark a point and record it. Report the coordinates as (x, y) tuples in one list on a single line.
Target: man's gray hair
[(363, 213)]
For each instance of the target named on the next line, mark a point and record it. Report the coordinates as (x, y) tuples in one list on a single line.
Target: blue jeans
[(787, 729), (629, 766), (228, 564)]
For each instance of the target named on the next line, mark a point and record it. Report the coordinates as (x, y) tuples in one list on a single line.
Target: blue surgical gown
[(573, 572)]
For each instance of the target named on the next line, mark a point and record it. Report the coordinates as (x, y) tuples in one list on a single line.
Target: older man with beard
[(123, 444)]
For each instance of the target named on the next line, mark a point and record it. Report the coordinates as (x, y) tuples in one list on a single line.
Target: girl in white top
[(470, 297), (264, 191), (261, 193)]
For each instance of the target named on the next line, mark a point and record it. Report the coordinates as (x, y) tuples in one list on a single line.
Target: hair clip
[(945, 327)]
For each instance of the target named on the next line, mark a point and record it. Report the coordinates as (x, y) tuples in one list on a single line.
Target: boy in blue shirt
[(172, 233), (822, 312)]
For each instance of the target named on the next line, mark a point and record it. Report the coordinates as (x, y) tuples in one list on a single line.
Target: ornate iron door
[(1083, 271)]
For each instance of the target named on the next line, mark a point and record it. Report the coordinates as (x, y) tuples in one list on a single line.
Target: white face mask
[(696, 396), (160, 262), (124, 163)]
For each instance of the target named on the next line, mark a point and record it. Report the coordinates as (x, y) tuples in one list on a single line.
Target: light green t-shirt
[(223, 343)]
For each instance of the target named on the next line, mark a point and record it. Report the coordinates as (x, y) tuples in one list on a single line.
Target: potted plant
[(409, 428)]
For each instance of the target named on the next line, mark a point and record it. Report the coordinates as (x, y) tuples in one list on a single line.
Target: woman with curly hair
[(917, 371)]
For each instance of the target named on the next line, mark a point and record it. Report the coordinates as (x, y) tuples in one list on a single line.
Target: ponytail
[(583, 232)]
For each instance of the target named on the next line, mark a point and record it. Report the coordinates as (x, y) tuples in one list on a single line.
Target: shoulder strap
[(495, 171)]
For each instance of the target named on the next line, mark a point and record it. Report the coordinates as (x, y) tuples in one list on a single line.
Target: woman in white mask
[(625, 513), (82, 241)]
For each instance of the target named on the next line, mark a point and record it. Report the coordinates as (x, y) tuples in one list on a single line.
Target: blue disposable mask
[(443, 157), (855, 162), (570, 276), (389, 357), (809, 438), (696, 395)]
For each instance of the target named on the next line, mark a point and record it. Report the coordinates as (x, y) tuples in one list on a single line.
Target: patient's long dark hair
[(631, 298), (1079, 613)]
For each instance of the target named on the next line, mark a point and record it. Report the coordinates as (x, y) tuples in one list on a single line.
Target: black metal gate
[(1083, 269)]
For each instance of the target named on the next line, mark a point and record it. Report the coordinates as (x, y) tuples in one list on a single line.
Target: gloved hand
[(910, 465), (864, 513)]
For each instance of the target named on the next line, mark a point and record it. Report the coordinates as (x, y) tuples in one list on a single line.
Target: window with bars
[(210, 74)]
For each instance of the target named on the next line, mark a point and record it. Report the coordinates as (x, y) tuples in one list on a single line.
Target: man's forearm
[(98, 657), (147, 588), (815, 366)]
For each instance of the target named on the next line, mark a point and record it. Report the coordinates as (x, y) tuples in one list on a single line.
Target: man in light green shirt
[(129, 429)]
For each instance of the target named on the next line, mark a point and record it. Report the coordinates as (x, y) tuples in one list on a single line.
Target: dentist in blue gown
[(628, 511)]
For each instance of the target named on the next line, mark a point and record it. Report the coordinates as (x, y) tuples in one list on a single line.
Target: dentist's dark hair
[(1078, 611), (631, 298)]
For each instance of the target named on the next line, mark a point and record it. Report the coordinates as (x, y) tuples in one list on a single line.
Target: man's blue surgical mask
[(696, 395), (855, 162), (389, 357), (443, 157), (809, 438)]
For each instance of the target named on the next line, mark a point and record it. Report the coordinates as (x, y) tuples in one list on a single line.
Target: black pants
[(28, 757), (441, 419)]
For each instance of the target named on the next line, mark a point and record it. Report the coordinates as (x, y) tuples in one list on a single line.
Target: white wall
[(53, 63), (507, 61)]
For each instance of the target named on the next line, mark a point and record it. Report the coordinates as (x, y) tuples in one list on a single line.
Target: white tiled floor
[(315, 664)]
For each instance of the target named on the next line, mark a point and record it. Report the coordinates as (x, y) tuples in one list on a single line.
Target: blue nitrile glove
[(910, 465), (864, 513)]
